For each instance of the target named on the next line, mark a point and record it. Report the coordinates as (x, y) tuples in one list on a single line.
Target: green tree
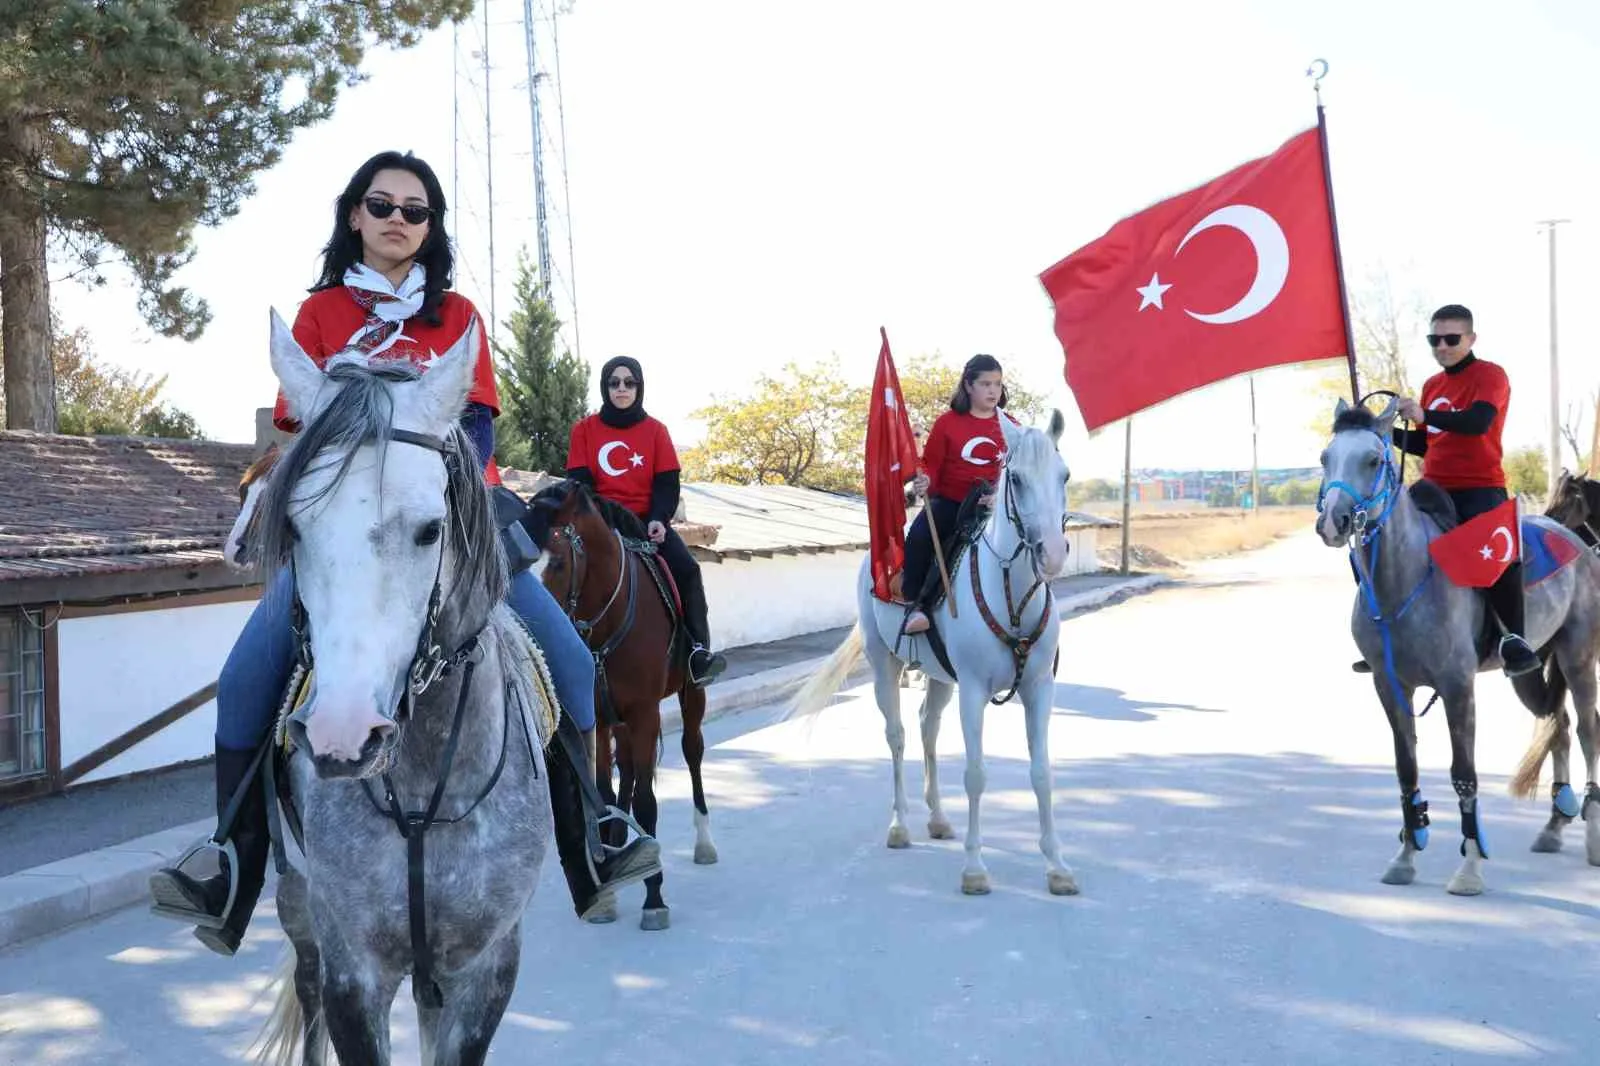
[(1527, 472), (95, 399), (125, 124), (542, 394), (1387, 326)]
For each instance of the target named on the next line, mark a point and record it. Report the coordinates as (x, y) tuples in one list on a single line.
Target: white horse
[(1001, 636)]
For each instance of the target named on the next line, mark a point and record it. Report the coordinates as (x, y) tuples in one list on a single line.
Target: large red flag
[(1237, 275), (1476, 553), (891, 462)]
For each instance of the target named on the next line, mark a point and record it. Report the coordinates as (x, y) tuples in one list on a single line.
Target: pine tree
[(126, 123), (541, 393)]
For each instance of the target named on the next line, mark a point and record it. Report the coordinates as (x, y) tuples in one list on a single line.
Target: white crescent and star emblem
[(968, 451), (1272, 264), (1487, 551), (604, 457), (1441, 404)]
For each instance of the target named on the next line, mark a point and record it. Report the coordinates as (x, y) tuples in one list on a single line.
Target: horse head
[(380, 510), (1575, 503), (1359, 481), (1034, 492)]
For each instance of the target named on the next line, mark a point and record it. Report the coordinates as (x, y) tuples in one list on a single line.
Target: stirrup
[(715, 665), (927, 623), (606, 851), (172, 904)]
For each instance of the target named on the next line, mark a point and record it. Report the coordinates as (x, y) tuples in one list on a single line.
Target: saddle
[(953, 544)]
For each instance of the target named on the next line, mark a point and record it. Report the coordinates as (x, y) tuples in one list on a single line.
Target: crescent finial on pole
[(1316, 72)]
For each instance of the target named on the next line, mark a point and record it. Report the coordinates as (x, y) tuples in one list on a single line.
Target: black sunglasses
[(1451, 339), (621, 383), (414, 214)]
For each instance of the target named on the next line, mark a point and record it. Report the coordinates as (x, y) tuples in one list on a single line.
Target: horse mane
[(614, 515), (1033, 450), (1355, 418), (362, 411)]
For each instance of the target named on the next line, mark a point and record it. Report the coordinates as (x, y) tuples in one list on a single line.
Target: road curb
[(47, 899)]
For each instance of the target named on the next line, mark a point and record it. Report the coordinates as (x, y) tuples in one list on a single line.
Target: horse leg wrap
[(1465, 790), (1414, 809), (1564, 801), (1470, 830), (1590, 795)]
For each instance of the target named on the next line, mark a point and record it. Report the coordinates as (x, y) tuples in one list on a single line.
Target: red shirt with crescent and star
[(329, 318), (624, 462), (1466, 460), (962, 448)]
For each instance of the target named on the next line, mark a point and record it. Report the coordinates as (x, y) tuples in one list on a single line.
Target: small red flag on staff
[(1236, 275), (891, 461)]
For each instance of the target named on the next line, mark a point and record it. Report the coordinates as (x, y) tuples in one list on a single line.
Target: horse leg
[(1584, 692), (886, 687), (934, 701), (692, 702), (1460, 710), (296, 1023), (1037, 708), (355, 1006), (1402, 868), (1561, 794), (974, 875), (642, 764), (475, 1003)]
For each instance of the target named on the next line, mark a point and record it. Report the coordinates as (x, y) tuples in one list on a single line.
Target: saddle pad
[(1545, 552)]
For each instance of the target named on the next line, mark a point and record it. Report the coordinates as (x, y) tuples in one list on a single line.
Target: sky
[(758, 183)]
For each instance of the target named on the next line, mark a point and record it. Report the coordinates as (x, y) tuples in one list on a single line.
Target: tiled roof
[(98, 505)]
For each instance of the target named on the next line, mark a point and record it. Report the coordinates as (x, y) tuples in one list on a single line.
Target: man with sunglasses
[(1456, 428)]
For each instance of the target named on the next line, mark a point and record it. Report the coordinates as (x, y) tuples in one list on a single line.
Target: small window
[(22, 732)]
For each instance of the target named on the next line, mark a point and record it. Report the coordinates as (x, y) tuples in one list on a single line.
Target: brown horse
[(600, 567)]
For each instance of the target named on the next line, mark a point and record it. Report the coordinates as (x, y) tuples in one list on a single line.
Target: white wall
[(769, 599), (118, 670), (1082, 543)]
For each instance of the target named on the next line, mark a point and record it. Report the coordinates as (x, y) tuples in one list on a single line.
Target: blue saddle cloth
[(1544, 552)]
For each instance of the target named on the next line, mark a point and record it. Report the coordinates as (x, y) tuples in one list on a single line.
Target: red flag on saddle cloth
[(1476, 553), (1236, 275), (891, 462)]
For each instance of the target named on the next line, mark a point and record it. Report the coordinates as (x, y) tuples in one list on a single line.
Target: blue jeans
[(252, 681)]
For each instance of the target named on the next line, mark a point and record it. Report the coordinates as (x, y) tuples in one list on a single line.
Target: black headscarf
[(621, 417)]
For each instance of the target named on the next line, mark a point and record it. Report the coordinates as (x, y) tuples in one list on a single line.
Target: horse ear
[(1340, 408), (298, 376), (1387, 419), (443, 389), (1057, 424)]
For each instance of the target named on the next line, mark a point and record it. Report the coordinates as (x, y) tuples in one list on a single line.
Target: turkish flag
[(1237, 275), (891, 462), (1475, 554)]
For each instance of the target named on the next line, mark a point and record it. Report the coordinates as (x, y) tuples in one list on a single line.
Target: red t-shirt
[(623, 461), (961, 449), (328, 319), (1465, 460)]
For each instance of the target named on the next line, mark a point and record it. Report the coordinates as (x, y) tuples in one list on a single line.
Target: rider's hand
[(1412, 411), (656, 532), (919, 484), (986, 501)]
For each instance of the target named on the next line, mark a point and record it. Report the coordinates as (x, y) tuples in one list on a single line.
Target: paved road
[(1224, 793)]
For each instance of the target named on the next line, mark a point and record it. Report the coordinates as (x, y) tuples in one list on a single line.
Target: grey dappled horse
[(1408, 613), (380, 506)]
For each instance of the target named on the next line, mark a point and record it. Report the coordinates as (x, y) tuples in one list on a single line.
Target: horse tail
[(1542, 691), (815, 693), (282, 1034), (1545, 732)]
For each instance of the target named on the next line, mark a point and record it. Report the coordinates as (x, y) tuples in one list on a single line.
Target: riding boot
[(591, 871), (1505, 596), (177, 894), (704, 664)]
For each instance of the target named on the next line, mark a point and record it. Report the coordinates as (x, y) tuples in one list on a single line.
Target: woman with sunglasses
[(627, 457), (385, 290)]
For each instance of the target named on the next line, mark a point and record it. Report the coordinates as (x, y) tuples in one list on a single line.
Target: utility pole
[(1255, 462), (539, 212), (488, 147), (1550, 225)]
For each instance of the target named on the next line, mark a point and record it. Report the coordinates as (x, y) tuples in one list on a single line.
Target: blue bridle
[(1386, 490)]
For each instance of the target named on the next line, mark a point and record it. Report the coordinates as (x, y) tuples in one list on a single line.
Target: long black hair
[(960, 401), (343, 249)]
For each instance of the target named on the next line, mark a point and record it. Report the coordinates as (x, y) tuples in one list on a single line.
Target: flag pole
[(938, 555), (1316, 72)]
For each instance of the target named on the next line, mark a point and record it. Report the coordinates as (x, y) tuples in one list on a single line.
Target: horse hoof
[(975, 884), (1465, 885), (1399, 875), (705, 854), (654, 920), (1547, 842), (605, 913), (1062, 883), (941, 831), (899, 837)]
